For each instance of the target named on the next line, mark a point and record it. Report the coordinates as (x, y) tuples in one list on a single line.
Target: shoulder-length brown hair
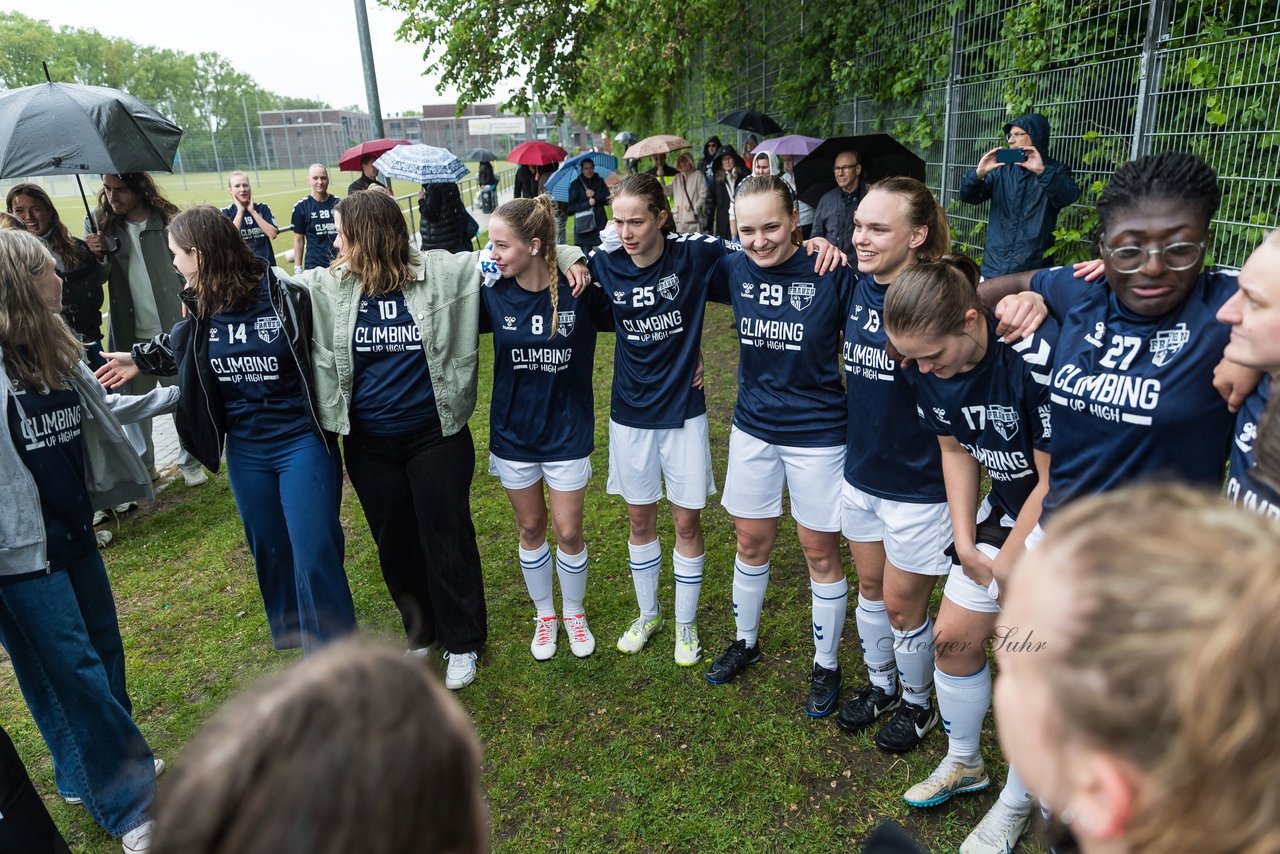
[(227, 270), (39, 348), (375, 243), (60, 240)]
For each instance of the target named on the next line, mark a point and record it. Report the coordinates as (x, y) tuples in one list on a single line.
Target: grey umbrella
[(68, 129)]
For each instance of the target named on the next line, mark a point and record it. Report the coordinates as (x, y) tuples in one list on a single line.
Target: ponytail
[(923, 211), (931, 298), (536, 218)]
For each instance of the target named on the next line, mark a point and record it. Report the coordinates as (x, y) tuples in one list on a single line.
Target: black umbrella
[(751, 120), (626, 137), (481, 154), (881, 156), (67, 129)]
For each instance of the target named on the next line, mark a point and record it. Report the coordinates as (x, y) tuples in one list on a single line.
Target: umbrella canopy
[(660, 144), (481, 154), (535, 152), (625, 138), (350, 159), (881, 155), (792, 144), (558, 183), (422, 164), (751, 120)]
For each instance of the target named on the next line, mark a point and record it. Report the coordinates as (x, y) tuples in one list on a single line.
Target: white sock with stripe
[(830, 602), (646, 567), (572, 572), (749, 586), (876, 636), (913, 651), (1015, 795), (688, 572), (536, 566), (963, 702)]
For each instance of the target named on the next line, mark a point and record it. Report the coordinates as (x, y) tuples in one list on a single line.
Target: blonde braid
[(545, 228)]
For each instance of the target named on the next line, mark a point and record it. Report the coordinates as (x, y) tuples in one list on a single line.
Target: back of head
[(227, 270), (932, 298), (1171, 176), (356, 748), (375, 242), (922, 209), (649, 189), (1172, 635)]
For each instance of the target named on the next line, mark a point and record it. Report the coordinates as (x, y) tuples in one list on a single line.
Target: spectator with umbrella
[(361, 158), (588, 196), (833, 218), (445, 221), (313, 223)]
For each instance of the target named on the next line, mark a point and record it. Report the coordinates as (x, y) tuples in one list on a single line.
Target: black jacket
[(443, 219), (184, 352), (82, 294), (364, 182), (579, 205)]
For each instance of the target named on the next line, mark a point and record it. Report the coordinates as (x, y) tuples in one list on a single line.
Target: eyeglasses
[(1017, 133), (847, 168), (1175, 257)]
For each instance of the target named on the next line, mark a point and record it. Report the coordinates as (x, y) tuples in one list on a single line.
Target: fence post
[(948, 118), (1149, 75)]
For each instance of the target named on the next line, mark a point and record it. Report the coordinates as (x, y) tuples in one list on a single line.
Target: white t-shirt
[(146, 317)]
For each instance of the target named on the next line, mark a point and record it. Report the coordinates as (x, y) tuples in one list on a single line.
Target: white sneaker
[(951, 777), (121, 508), (103, 537), (997, 833), (638, 634), (156, 762), (196, 477), (421, 651), (461, 671), (545, 630), (138, 839), (581, 642), (688, 650), (99, 516)]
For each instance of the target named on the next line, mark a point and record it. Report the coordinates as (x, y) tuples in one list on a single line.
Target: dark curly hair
[(1170, 175)]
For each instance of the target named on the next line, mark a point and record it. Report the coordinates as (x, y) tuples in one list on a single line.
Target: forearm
[(961, 475), (297, 250), (993, 290)]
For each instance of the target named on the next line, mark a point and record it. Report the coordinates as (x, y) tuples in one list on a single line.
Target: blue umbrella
[(422, 164), (558, 183)]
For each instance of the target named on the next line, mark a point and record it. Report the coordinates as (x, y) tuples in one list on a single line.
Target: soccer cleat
[(737, 658), (862, 711), (543, 645), (581, 642), (156, 762), (688, 650), (461, 671), (997, 833), (907, 728), (951, 777), (138, 839), (824, 691), (638, 633)]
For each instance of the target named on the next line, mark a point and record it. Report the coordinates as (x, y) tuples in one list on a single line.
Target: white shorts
[(758, 471), (561, 475), (640, 460), (963, 590), (915, 536)]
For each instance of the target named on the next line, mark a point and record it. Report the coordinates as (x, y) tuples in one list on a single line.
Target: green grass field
[(611, 753)]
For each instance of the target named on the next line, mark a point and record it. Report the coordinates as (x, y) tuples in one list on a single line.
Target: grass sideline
[(625, 753)]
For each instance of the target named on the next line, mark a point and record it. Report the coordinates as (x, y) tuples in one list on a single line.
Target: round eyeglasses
[(1175, 257)]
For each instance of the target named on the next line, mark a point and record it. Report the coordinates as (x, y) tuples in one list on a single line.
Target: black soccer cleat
[(824, 691), (907, 728), (732, 661), (863, 710)]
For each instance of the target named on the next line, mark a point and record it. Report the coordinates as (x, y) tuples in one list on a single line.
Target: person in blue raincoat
[(1025, 198), (588, 195)]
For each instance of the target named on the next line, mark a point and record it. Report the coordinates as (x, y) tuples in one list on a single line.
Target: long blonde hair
[(530, 218), (39, 348), (375, 243), (1170, 660)]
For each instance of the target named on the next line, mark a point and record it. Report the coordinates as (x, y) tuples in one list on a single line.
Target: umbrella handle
[(112, 243)]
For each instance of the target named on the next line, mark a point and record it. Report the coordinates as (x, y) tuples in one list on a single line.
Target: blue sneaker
[(824, 691)]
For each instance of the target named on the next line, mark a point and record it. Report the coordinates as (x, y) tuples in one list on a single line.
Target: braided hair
[(530, 218), (1173, 176)]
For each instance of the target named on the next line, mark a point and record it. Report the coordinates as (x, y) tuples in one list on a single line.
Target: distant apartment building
[(295, 138)]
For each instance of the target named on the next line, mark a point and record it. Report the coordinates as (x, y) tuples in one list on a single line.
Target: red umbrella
[(350, 159), (535, 152)]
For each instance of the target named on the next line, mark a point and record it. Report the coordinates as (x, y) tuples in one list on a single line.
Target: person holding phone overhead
[(1027, 188)]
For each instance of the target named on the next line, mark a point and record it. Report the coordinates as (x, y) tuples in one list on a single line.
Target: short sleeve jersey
[(252, 232), (391, 391), (658, 312), (314, 221), (543, 405), (789, 320), (888, 452), (998, 411), (1132, 397), (1244, 488)]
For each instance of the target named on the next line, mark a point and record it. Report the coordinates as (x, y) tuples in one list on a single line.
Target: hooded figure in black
[(724, 185), (1025, 198)]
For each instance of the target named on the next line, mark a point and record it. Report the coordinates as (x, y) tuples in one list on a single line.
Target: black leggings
[(25, 824)]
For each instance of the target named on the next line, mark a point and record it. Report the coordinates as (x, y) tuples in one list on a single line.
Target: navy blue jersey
[(258, 379), (1244, 488), (998, 410), (658, 313), (789, 323), (543, 408), (1133, 396), (391, 389), (251, 231), (888, 453), (46, 434), (314, 221)]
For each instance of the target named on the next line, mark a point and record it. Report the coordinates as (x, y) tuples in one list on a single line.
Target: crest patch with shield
[(801, 294), (268, 328), (669, 286), (1167, 342), (1004, 419), (566, 319)]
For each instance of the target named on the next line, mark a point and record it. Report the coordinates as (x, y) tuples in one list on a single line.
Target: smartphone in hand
[(1011, 155)]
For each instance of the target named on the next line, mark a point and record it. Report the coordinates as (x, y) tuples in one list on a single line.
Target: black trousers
[(25, 824), (415, 491)]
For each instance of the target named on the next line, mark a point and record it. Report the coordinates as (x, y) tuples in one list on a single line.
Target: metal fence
[(1116, 80)]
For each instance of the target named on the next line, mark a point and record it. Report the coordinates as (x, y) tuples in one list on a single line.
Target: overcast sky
[(306, 49)]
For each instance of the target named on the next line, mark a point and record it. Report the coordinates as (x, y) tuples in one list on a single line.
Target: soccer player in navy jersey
[(788, 426), (894, 503), (314, 224), (1254, 315), (254, 220), (988, 403), (542, 415)]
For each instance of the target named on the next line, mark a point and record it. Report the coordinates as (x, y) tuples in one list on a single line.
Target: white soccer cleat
[(581, 642), (638, 634), (997, 833), (688, 650), (544, 638)]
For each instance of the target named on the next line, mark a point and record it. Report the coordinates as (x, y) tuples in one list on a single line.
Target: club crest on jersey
[(268, 328), (669, 286), (508, 322), (1099, 332), (619, 298), (566, 322), (801, 294), (1167, 342), (941, 414), (748, 288), (1004, 419)]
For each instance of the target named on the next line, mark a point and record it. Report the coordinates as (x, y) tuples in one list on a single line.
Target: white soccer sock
[(536, 566), (1015, 794), (572, 572), (688, 572), (876, 636), (749, 586), (830, 601), (646, 565), (913, 651), (963, 702)]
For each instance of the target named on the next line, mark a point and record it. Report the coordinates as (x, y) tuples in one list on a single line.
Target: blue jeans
[(289, 493), (61, 634)]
